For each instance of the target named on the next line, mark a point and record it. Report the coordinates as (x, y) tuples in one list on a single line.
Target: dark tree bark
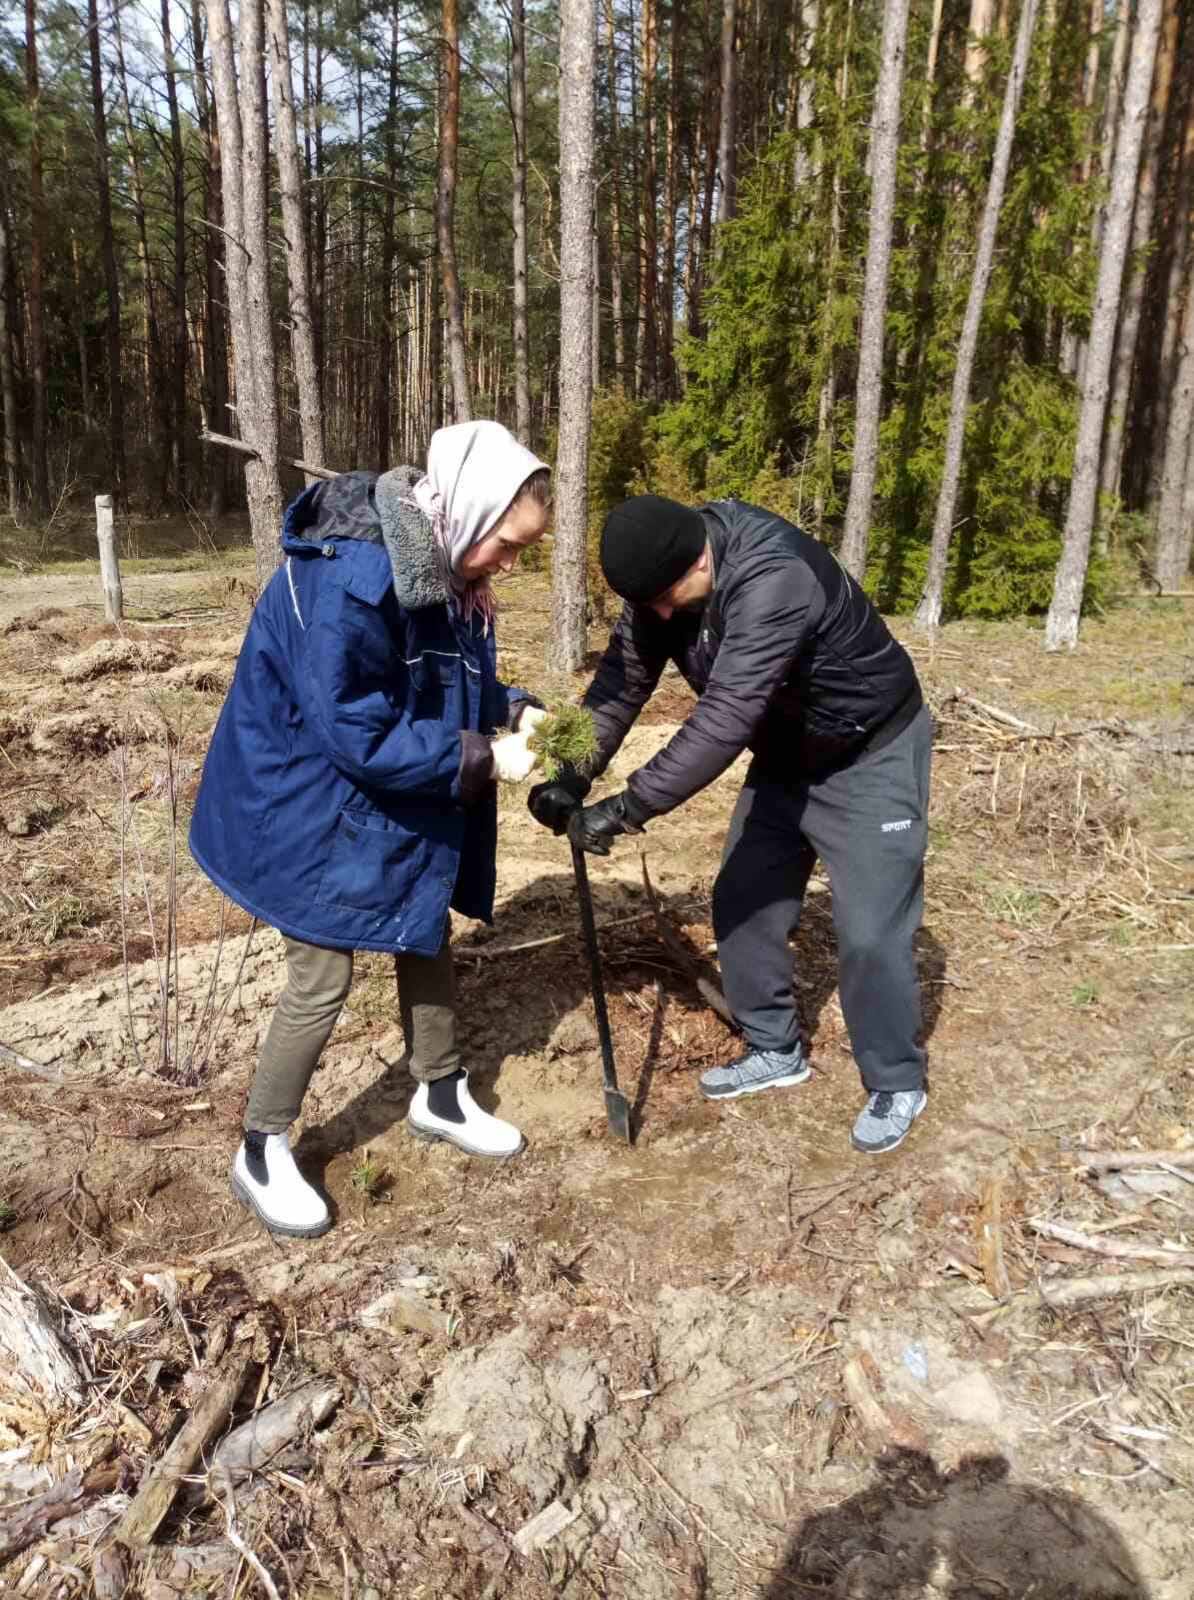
[(617, 262), (108, 256), (445, 210), (38, 458)]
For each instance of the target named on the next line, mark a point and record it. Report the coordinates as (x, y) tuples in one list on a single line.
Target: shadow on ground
[(964, 1534)]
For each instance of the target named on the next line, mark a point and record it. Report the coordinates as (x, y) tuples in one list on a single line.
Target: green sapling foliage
[(568, 737)]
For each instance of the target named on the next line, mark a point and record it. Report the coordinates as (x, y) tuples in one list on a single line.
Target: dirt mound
[(209, 674), (107, 656), (522, 1408), (87, 732), (32, 620)]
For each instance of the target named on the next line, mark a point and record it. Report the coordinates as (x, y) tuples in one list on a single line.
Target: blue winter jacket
[(337, 797)]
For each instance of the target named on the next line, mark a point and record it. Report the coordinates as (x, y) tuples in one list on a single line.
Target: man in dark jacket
[(791, 661)]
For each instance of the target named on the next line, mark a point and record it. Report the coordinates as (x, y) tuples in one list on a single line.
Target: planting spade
[(617, 1107)]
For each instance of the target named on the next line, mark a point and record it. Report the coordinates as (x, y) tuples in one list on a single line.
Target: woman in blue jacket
[(348, 797)]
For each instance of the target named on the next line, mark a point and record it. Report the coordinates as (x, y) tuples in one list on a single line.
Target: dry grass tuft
[(115, 655)]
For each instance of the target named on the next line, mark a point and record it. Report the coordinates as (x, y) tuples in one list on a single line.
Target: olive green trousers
[(317, 985)]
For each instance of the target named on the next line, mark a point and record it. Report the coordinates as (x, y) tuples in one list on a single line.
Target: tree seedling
[(369, 1177), (567, 738)]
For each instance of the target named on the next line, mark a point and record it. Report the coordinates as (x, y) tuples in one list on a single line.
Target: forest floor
[(736, 1359)]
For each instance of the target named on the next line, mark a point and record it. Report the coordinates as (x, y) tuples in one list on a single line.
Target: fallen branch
[(709, 991), (1069, 1292), (964, 697), (258, 1443), (222, 1490), (990, 1240), (239, 445), (1109, 1247), (16, 1059), (156, 1493), (1118, 1160), (24, 1524)]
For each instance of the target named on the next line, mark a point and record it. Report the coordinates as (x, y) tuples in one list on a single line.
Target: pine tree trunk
[(39, 461), (445, 210), (215, 342), (617, 264), (1173, 526), (928, 612), (152, 363), (646, 344), (256, 400), (8, 390), (103, 189), (255, 146), (320, 228), (518, 108), (926, 120), (671, 203), (1132, 304), (1176, 243), (290, 184), (177, 402), (805, 103), (383, 400), (577, 50), (982, 22), (1061, 626), (885, 139), (727, 146)]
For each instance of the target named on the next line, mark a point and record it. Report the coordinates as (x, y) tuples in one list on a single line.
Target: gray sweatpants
[(869, 825)]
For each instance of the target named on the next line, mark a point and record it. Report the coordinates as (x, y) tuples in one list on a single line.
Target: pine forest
[(918, 274)]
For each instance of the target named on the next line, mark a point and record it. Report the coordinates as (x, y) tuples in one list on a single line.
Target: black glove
[(551, 804), (594, 828)]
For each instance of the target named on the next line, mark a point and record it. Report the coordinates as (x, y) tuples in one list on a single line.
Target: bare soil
[(745, 1360)]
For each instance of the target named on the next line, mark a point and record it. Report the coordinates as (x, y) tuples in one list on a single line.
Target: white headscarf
[(474, 470)]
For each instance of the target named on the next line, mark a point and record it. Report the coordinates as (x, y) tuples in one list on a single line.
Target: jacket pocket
[(372, 868)]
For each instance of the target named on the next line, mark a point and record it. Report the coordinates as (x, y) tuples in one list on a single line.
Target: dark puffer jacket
[(789, 657)]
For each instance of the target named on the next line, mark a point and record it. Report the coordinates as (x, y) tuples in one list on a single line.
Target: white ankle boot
[(479, 1133), (269, 1183)]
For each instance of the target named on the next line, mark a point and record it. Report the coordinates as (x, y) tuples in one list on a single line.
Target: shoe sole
[(883, 1149), (246, 1199), (785, 1082), (435, 1136)]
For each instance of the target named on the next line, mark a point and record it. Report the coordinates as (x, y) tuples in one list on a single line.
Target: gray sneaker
[(756, 1070), (886, 1118)]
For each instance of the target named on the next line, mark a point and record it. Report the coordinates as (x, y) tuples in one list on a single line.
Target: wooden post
[(105, 533)]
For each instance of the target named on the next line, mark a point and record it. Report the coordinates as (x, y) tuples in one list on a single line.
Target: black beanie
[(647, 544)]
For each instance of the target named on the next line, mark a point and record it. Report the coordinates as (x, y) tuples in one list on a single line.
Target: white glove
[(529, 718), (513, 760)]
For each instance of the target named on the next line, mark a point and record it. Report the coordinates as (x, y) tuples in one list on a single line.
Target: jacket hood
[(375, 510)]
